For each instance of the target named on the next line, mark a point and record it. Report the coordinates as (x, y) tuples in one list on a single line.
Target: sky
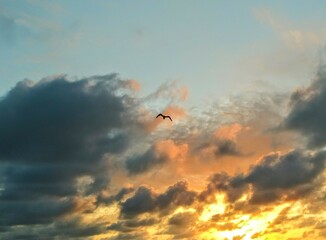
[(83, 156)]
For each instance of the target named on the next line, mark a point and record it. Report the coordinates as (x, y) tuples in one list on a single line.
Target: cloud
[(21, 25), (230, 131), (68, 229), (170, 91), (278, 176), (181, 225), (293, 52), (222, 142), (295, 37), (134, 85), (74, 229), (52, 133), (286, 171), (127, 236), (142, 163), (222, 182), (102, 199), (143, 201), (159, 154), (146, 200), (130, 225), (175, 111), (150, 124), (290, 176), (33, 212), (178, 195), (181, 219), (226, 147), (307, 113)]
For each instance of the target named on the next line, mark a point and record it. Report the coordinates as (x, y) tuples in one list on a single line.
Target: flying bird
[(164, 116)]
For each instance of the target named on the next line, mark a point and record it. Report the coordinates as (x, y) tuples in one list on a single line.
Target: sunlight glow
[(182, 209), (213, 209), (247, 225)]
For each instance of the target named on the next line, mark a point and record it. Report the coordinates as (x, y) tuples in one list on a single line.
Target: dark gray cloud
[(145, 200), (59, 120), (131, 225), (178, 195), (222, 182), (220, 146), (146, 161), (277, 176), (226, 147), (286, 171), (65, 229), (217, 182), (289, 176), (74, 229), (33, 212), (52, 133), (141, 223), (308, 113)]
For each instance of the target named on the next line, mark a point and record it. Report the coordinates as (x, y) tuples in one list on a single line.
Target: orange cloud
[(229, 131), (133, 85), (175, 112), (172, 150)]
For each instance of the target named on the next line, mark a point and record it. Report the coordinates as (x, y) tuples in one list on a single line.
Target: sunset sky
[(83, 156)]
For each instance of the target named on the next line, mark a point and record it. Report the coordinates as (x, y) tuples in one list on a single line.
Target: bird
[(164, 116)]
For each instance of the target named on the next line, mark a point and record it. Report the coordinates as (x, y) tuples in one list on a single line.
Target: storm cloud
[(146, 200), (289, 175), (287, 170), (308, 113), (52, 133)]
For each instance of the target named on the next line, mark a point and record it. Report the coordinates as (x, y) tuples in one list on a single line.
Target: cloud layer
[(87, 159), (53, 133)]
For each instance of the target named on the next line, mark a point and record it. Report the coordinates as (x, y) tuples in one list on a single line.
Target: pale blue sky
[(215, 48)]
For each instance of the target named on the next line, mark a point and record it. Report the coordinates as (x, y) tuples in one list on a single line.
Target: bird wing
[(170, 118), (159, 115)]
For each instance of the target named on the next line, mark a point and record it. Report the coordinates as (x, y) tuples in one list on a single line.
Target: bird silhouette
[(164, 116)]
